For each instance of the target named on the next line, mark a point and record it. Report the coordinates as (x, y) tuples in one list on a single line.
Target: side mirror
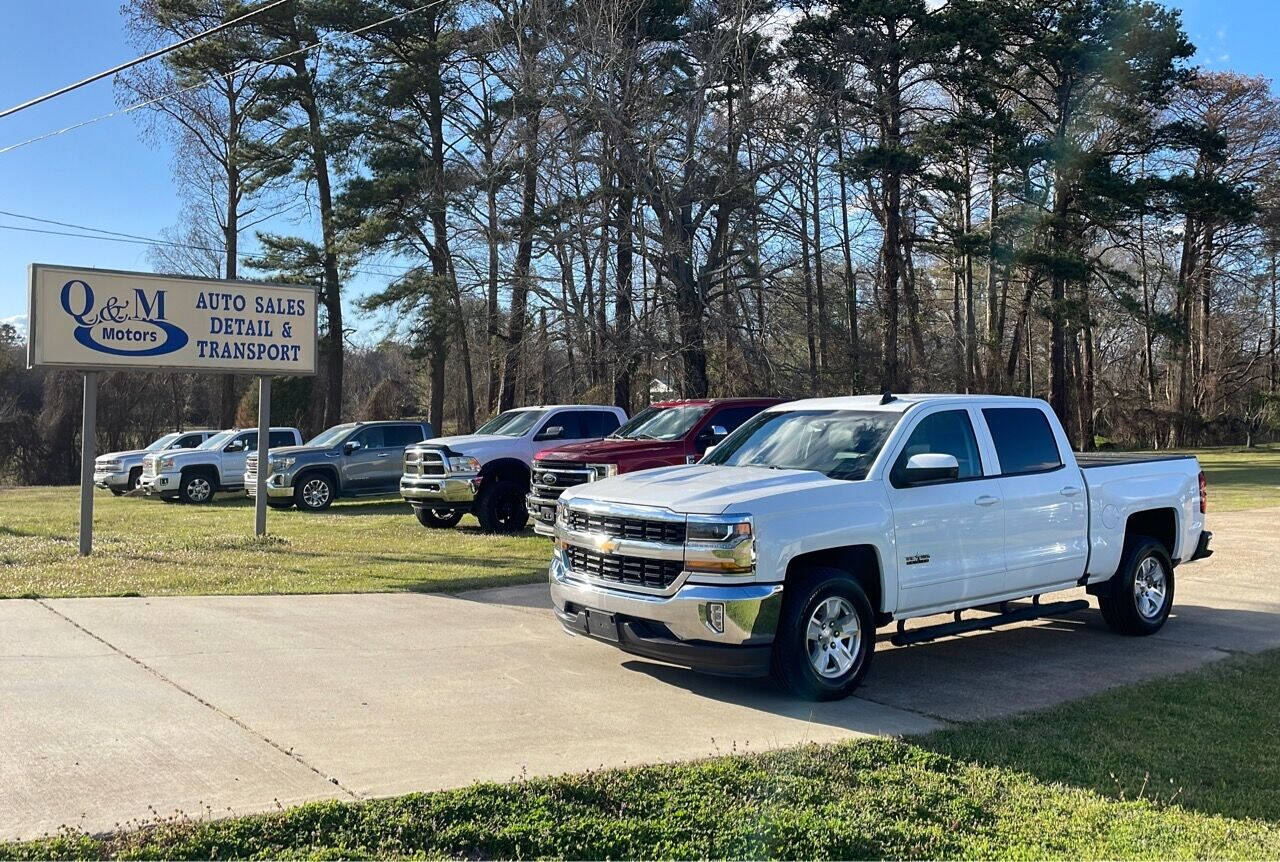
[(718, 432), (551, 432), (931, 467), (709, 450), (352, 446), (236, 446)]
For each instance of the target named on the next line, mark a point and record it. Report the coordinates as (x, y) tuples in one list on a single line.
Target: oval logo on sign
[(548, 478), (121, 326)]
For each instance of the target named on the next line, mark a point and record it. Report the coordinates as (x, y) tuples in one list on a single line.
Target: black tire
[(793, 665), (500, 508), (116, 492), (314, 492), (280, 504), (198, 487), (1140, 595), (437, 519), (135, 475)]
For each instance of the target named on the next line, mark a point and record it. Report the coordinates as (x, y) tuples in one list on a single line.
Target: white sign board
[(104, 319)]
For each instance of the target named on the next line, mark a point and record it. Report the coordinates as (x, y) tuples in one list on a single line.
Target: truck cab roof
[(900, 403)]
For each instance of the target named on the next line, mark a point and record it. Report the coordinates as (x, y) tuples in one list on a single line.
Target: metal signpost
[(96, 320)]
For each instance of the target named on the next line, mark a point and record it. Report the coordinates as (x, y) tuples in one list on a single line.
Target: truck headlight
[(463, 464), (281, 462), (603, 471), (165, 463), (722, 546)]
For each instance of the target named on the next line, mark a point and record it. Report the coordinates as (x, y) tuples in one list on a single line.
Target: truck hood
[(183, 456), (704, 489), (609, 450), (295, 450), (122, 455), (468, 444)]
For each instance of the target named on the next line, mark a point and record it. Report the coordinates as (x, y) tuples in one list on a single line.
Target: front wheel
[(197, 487), (314, 493), (1140, 595), (826, 636), (438, 520), (500, 508)]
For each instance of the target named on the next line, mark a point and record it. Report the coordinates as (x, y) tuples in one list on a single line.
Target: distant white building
[(660, 390)]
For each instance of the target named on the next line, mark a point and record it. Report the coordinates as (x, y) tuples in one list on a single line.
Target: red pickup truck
[(664, 434)]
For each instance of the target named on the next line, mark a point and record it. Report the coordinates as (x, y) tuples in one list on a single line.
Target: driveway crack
[(287, 752)]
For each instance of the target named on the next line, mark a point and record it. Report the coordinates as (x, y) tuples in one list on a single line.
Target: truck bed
[(1087, 460)]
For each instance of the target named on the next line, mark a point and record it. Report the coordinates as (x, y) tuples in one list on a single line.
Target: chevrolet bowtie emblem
[(607, 544)]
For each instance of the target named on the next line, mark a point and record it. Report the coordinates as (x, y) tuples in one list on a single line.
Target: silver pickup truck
[(217, 464), (119, 472), (354, 459)]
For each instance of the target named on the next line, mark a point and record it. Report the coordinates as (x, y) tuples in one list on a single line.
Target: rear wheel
[(197, 487), (826, 635), (1140, 594), (439, 519), (500, 508), (314, 493)]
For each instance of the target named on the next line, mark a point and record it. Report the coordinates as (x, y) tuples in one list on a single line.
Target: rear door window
[(599, 423), (1024, 441), (570, 421), (398, 436), (281, 438)]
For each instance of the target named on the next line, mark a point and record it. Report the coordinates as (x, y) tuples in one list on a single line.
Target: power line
[(138, 60), (242, 71), (135, 239)]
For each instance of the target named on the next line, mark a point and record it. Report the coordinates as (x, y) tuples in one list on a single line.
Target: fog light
[(715, 617)]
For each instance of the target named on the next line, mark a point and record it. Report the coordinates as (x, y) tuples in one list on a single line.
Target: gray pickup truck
[(354, 459), (119, 472)]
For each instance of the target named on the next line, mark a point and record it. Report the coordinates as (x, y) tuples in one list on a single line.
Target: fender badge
[(916, 559)]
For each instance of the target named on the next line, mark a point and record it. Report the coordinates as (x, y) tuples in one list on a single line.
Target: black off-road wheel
[(826, 635), (500, 508), (437, 519), (1140, 594)]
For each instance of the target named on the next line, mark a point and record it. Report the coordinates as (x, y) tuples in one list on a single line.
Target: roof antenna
[(887, 397)]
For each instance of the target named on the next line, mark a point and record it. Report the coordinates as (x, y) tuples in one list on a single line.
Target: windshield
[(217, 440), (662, 423), (840, 443), (513, 423), (332, 436), (163, 443)]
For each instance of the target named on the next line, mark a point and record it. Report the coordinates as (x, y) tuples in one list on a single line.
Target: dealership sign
[(103, 319)]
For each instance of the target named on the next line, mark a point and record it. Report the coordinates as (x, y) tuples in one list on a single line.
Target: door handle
[(987, 500), (1069, 491)]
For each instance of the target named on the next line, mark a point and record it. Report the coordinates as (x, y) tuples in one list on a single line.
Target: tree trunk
[(524, 256)]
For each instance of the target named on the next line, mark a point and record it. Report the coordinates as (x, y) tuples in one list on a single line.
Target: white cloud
[(18, 322)]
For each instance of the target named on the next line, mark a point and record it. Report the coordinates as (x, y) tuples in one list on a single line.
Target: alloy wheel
[(833, 637)]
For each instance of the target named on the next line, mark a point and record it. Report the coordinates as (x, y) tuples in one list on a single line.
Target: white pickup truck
[(217, 464), (488, 472), (818, 521)]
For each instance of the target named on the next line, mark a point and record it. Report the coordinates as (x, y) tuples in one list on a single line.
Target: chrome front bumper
[(278, 485), (160, 485), (439, 490), (678, 628), (111, 479)]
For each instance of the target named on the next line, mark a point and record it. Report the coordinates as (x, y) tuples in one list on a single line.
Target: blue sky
[(105, 175)]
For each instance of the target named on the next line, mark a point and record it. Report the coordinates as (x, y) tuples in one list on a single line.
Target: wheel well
[(1159, 524), (206, 469), (328, 470), (507, 469), (860, 561)]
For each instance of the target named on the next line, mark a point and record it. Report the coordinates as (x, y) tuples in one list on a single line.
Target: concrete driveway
[(115, 711)]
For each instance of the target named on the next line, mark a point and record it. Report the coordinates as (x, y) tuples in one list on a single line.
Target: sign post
[(97, 320), (88, 433)]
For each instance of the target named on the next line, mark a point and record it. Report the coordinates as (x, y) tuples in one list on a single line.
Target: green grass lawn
[(1241, 478), (145, 547), (1036, 786)]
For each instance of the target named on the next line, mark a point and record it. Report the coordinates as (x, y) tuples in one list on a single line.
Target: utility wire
[(159, 52), (134, 239), (241, 71)]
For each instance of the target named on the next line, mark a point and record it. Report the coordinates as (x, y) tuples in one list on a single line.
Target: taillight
[(1204, 494)]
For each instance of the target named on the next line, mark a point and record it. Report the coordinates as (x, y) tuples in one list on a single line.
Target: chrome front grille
[(251, 470), (627, 571), (550, 478), (423, 463), (626, 527)]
